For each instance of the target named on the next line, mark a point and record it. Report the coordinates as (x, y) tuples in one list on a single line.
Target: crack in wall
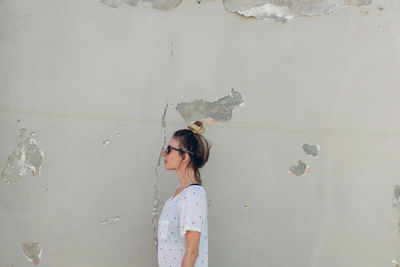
[(32, 251), (156, 205), (278, 10), (300, 169), (28, 155), (217, 111)]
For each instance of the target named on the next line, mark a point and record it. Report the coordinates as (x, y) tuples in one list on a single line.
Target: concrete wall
[(79, 73)]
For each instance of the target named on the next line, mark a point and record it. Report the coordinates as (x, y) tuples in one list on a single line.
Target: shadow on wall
[(278, 10)]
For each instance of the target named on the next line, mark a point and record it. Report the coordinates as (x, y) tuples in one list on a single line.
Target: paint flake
[(311, 150), (32, 251), (106, 143), (300, 169), (217, 111), (28, 155)]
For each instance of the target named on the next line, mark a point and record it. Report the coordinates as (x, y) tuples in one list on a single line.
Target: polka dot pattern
[(185, 212)]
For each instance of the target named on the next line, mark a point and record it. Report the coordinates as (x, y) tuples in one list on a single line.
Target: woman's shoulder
[(194, 190)]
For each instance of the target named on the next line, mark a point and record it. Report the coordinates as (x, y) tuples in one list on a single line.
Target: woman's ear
[(186, 158)]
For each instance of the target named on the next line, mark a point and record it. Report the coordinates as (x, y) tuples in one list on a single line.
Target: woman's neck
[(186, 177)]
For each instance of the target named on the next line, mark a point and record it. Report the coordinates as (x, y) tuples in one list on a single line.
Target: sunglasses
[(169, 148)]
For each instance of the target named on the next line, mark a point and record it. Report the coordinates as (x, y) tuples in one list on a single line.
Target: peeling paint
[(396, 204), (157, 4), (217, 111), (156, 205), (311, 150), (22, 133), (28, 155), (396, 193), (283, 10), (268, 11), (32, 251), (132, 2), (112, 3), (278, 10), (108, 221), (106, 143), (165, 4), (300, 169)]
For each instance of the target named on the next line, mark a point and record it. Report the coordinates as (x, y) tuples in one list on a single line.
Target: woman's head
[(192, 144)]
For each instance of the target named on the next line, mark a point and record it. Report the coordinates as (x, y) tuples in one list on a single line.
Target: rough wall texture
[(305, 174)]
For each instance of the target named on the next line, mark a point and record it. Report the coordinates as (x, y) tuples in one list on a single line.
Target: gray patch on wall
[(278, 10), (157, 4), (156, 205), (283, 10), (28, 155), (312, 150), (32, 251), (217, 111), (300, 169), (396, 204)]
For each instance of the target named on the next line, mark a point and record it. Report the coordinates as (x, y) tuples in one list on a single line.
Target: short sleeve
[(192, 211)]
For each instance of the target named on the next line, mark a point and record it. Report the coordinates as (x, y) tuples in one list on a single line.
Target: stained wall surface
[(99, 83)]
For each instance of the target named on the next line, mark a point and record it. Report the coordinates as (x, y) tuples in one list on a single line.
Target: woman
[(182, 227)]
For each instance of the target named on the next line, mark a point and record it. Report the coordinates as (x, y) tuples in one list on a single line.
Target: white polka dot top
[(187, 211)]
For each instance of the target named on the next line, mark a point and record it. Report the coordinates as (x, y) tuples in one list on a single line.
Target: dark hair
[(196, 145)]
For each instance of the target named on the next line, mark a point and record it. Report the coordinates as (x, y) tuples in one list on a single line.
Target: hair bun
[(197, 127)]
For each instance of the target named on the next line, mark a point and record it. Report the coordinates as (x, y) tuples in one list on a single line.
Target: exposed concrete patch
[(312, 150), (156, 205), (300, 169), (112, 3), (32, 251), (217, 111), (396, 193), (278, 10), (28, 155), (396, 203), (165, 4), (157, 4), (283, 10)]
